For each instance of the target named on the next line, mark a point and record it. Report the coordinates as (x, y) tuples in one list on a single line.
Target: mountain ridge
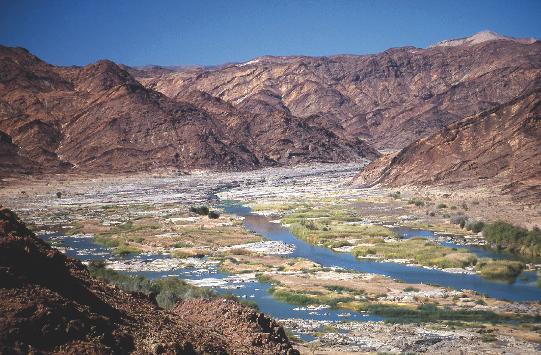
[(269, 111)]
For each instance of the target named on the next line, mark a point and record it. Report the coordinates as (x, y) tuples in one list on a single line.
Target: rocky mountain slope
[(50, 304), (269, 111), (99, 118), (500, 146), (391, 98)]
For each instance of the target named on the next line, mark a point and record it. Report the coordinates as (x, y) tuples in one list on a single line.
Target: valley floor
[(343, 273)]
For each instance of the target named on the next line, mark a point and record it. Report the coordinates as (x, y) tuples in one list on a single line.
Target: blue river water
[(523, 288)]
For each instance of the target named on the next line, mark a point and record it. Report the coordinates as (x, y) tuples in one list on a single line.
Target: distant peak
[(480, 37)]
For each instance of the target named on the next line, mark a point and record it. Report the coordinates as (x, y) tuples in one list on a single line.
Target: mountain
[(498, 147), (484, 36), (99, 118), (50, 304), (269, 111), (390, 99)]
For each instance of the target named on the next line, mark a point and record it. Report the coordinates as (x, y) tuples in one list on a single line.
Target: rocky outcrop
[(50, 304), (254, 330), (499, 147), (390, 99)]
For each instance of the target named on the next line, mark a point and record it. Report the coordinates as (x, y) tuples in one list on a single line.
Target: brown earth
[(390, 98), (499, 147), (98, 118), (50, 304)]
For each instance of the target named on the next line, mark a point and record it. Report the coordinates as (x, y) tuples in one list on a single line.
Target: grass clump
[(426, 313), (505, 270), (421, 251)]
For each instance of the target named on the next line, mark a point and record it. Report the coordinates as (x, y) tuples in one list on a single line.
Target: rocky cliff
[(500, 146), (50, 304)]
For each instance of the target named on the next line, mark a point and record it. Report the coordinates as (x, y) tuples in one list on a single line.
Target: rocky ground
[(50, 304)]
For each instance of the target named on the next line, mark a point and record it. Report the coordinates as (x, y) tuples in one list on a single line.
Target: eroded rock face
[(50, 304), (269, 111), (100, 119), (390, 99), (501, 146)]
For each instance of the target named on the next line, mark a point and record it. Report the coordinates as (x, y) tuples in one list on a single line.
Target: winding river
[(523, 288)]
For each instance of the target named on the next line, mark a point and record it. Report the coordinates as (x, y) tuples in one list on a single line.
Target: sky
[(166, 32)]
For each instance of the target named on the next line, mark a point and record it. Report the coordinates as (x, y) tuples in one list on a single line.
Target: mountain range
[(106, 117)]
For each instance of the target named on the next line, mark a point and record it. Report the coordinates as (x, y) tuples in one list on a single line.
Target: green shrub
[(213, 215), (167, 291), (200, 210), (416, 202), (475, 226), (516, 239), (442, 205)]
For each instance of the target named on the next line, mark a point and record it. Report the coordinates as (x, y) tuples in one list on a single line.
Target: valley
[(343, 268)]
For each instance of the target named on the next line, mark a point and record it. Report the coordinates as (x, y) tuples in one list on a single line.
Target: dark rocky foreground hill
[(498, 147), (50, 304)]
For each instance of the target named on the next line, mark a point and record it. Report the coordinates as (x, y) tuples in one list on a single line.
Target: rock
[(499, 147)]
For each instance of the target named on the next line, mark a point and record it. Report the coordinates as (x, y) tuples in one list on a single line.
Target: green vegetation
[(416, 202), (213, 215), (411, 289), (442, 205), (421, 252), (308, 298), (331, 226), (519, 240), (123, 250), (200, 210), (432, 313), (167, 291), (475, 226), (506, 270)]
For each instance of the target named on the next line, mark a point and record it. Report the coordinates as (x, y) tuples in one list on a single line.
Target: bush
[(516, 239), (167, 291), (213, 215), (416, 202), (475, 226), (201, 210), (442, 205), (58, 194), (411, 289)]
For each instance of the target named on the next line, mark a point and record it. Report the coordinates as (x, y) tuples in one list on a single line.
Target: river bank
[(143, 226)]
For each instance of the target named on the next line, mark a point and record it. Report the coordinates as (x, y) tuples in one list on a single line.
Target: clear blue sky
[(135, 32)]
